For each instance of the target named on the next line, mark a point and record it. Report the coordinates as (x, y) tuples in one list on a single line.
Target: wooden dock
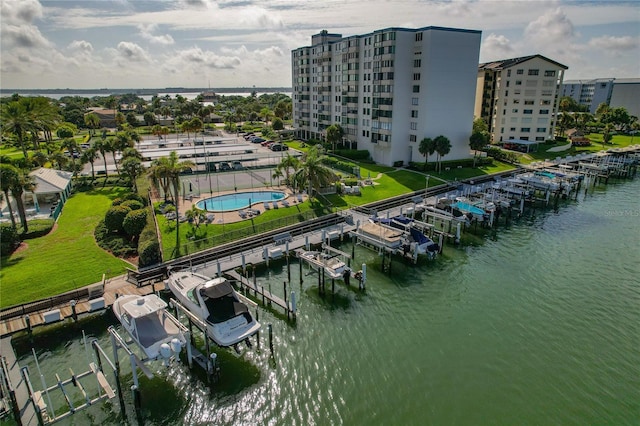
[(66, 311), (17, 385), (259, 292)]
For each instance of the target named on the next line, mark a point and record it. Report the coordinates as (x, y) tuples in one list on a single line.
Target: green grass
[(206, 236), (67, 258), (618, 141)]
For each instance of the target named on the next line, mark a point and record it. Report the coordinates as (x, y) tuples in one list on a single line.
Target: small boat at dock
[(217, 304), (333, 266), (150, 325)]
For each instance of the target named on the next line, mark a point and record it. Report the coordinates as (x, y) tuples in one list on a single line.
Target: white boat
[(333, 266), (158, 333), (217, 304)]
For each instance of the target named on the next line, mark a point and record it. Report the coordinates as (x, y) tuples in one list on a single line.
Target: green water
[(537, 324)]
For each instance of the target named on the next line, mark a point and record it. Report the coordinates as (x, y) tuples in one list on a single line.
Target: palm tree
[(266, 113), (24, 182), (289, 162), (427, 147), (102, 146), (15, 120), (43, 115), (606, 134), (277, 174), (92, 121), (443, 147), (90, 155), (313, 172), (8, 176), (334, 134), (132, 168), (39, 158)]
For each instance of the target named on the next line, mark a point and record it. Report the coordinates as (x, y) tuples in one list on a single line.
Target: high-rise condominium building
[(615, 92), (388, 89), (518, 98)]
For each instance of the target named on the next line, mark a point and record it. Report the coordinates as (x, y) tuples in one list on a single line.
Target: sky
[(84, 44)]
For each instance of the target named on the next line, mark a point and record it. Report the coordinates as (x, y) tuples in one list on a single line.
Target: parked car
[(265, 143), (85, 145), (249, 136), (257, 140), (225, 167), (237, 165), (278, 147)]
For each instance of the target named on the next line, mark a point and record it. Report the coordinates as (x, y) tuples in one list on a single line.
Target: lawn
[(618, 141), (67, 258), (392, 182), (205, 236)]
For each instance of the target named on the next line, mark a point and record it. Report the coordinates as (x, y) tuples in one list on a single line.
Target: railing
[(43, 304)]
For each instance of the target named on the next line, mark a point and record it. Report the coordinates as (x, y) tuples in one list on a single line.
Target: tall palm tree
[(102, 146), (43, 115), (24, 182), (313, 173), (427, 147), (132, 168), (443, 147), (92, 121), (15, 120), (90, 155), (8, 176), (287, 163)]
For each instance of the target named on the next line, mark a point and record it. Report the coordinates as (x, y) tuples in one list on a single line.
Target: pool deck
[(233, 215)]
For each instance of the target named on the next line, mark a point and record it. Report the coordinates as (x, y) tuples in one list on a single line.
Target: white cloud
[(197, 57), (496, 47), (23, 36), (20, 11), (552, 27), (80, 46), (146, 32), (616, 44), (131, 52)]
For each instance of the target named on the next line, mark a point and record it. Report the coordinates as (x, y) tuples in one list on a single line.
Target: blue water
[(238, 200), (546, 174), (466, 207)]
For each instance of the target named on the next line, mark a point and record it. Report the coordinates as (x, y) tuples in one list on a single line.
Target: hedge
[(9, 239), (452, 164), (354, 154)]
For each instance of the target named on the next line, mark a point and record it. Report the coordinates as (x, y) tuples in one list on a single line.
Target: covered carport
[(521, 145)]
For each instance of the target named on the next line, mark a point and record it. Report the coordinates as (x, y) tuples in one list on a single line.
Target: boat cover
[(217, 291)]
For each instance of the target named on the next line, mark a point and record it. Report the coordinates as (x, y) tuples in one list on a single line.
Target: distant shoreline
[(147, 92)]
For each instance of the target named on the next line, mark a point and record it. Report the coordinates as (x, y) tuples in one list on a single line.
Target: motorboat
[(146, 319), (416, 240), (333, 266), (215, 302)]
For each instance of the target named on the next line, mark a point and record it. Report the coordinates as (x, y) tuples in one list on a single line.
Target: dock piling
[(270, 328)]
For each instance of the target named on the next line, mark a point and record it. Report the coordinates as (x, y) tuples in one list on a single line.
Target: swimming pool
[(238, 200)]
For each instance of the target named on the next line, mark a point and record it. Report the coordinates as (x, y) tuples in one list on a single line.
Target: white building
[(388, 89), (518, 97), (590, 93), (626, 93)]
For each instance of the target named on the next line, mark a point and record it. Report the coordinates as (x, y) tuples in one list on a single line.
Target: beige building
[(518, 98)]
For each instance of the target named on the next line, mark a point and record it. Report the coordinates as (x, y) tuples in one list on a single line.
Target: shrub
[(136, 197), (9, 239), (132, 204), (354, 154), (149, 252), (351, 182), (117, 201), (115, 217), (116, 244), (134, 222)]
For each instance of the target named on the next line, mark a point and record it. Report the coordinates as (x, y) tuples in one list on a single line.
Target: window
[(533, 72), (515, 110), (528, 102), (520, 72), (416, 89), (508, 73), (513, 129), (414, 125), (413, 138), (417, 63), (501, 129), (516, 101), (544, 111), (518, 82), (418, 36), (549, 73), (414, 101), (525, 129), (541, 130), (414, 113), (528, 111), (508, 83), (539, 138), (416, 76)]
